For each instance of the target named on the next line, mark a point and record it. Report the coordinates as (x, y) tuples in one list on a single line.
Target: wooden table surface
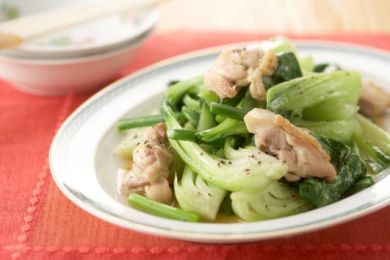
[(276, 16)]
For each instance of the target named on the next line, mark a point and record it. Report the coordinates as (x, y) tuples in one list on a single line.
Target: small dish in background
[(77, 59), (85, 39), (75, 75)]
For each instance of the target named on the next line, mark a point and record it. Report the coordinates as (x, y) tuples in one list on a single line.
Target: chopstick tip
[(9, 41)]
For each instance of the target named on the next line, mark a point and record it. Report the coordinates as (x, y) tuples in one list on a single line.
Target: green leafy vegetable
[(288, 68), (340, 130), (229, 126), (350, 167), (274, 201), (125, 148), (228, 111), (374, 134), (375, 158), (249, 169), (327, 67), (191, 103), (190, 115), (161, 209), (310, 91), (330, 110), (141, 121), (306, 64), (217, 166), (175, 93), (362, 183), (197, 195)]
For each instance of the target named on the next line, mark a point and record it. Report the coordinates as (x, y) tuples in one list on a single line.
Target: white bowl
[(89, 38), (66, 76)]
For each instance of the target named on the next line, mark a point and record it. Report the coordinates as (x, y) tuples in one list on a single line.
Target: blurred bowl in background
[(89, 38), (77, 59), (75, 75)]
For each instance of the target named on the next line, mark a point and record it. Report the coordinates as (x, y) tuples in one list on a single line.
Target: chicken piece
[(293, 145), (373, 100), (239, 67), (267, 66), (151, 161), (159, 189)]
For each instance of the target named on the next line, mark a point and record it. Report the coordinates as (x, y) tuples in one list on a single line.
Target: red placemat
[(38, 222)]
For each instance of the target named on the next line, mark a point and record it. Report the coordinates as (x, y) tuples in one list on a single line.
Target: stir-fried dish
[(263, 134)]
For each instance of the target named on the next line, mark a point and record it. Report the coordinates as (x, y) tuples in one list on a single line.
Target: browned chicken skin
[(290, 144), (151, 161), (239, 67)]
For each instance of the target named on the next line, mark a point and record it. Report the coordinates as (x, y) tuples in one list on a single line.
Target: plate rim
[(209, 237)]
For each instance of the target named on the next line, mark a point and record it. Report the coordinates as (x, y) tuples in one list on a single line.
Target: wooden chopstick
[(13, 32)]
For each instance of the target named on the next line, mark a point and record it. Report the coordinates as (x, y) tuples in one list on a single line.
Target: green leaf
[(197, 195), (160, 209), (310, 91), (288, 68), (349, 166)]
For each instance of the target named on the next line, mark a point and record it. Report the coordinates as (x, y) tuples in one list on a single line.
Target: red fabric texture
[(38, 222)]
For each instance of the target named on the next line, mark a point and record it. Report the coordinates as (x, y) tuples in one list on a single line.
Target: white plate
[(89, 38), (83, 166)]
